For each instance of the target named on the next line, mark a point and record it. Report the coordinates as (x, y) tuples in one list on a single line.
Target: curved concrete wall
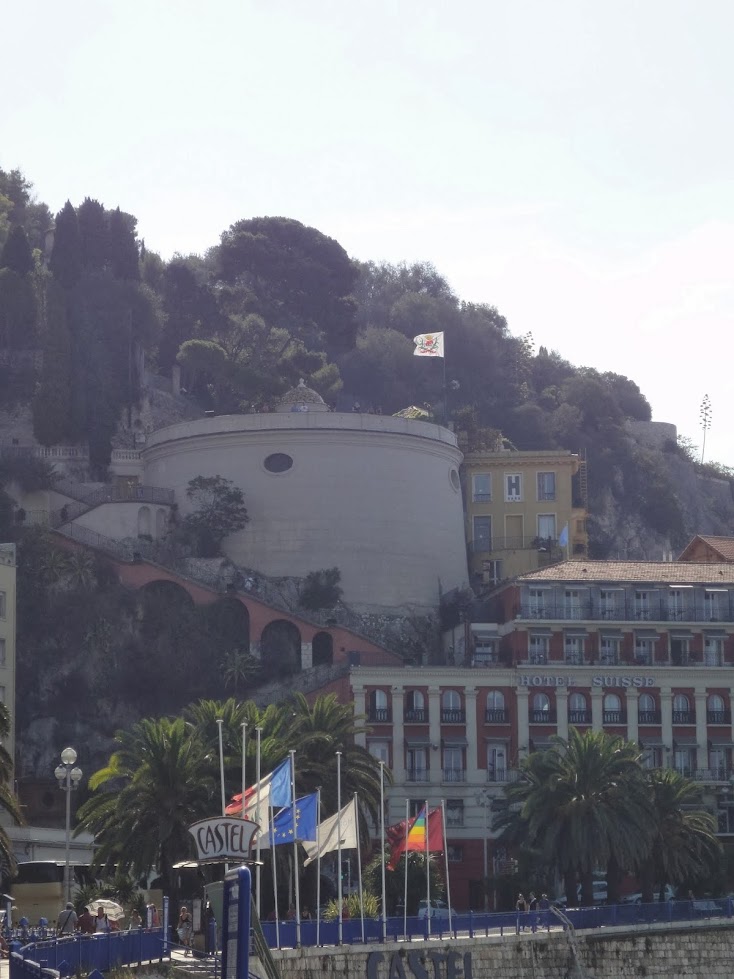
[(377, 496)]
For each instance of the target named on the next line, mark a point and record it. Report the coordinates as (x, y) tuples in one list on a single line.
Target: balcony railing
[(417, 775), (624, 611), (498, 543), (453, 716), (719, 774), (579, 717), (718, 716), (416, 715), (379, 715), (615, 716), (454, 775), (502, 775), (684, 717), (542, 717), (495, 715), (649, 717)]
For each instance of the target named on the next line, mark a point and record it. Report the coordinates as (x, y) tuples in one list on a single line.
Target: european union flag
[(299, 825)]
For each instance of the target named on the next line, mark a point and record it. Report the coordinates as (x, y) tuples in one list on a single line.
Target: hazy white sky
[(571, 162)]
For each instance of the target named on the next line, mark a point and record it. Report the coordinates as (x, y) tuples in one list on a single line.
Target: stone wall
[(656, 952)]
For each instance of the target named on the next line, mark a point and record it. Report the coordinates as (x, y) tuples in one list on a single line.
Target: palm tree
[(684, 845), (8, 801), (239, 667), (158, 782), (585, 805), (316, 732)]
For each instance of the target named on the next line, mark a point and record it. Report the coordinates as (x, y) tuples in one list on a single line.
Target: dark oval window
[(278, 462), (454, 477)]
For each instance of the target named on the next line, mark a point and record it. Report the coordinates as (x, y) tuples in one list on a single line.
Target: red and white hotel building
[(640, 649)]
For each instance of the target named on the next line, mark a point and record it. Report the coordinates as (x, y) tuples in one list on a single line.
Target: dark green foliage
[(123, 259), (53, 399), (189, 310), (21, 208), (18, 311), (29, 473), (321, 589), (16, 253), (219, 510), (66, 255), (93, 234)]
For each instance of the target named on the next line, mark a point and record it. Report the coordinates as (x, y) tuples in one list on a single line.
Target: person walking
[(521, 907), (86, 924), (533, 909), (544, 908), (101, 922), (185, 928), (66, 925)]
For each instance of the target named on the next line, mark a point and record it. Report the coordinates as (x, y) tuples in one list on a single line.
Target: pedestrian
[(101, 922), (66, 925), (533, 909), (521, 907), (291, 915), (544, 908), (185, 928), (135, 920), (305, 913), (85, 924)]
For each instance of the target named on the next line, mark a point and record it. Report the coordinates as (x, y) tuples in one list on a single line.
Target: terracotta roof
[(653, 571), (723, 546)]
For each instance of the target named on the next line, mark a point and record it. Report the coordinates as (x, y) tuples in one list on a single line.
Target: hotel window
[(578, 712), (684, 761), (513, 487), (573, 607), (536, 602), (491, 572), (481, 486), (647, 710), (482, 534), (677, 605), (496, 763), (613, 713), (573, 648), (540, 709), (454, 813), (642, 605), (652, 756), (547, 526), (682, 713), (713, 652), (715, 604), (719, 762), (414, 807), (495, 712), (416, 760), (2, 604), (455, 853), (380, 750), (415, 706), (546, 486), (538, 647), (609, 603), (378, 709), (609, 650), (643, 651), (2, 653), (453, 764), (716, 712), (679, 651)]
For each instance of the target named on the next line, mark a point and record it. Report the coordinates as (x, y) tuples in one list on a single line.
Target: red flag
[(416, 836)]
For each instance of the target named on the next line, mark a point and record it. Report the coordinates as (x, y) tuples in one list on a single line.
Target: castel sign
[(223, 838), (417, 964)]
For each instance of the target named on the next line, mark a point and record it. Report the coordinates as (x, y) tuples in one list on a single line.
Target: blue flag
[(563, 539), (286, 828), (280, 785)]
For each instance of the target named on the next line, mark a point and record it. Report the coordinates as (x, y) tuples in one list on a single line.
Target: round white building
[(378, 497)]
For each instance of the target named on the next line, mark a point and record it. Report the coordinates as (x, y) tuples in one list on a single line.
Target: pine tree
[(52, 403), (66, 256), (123, 259), (16, 253), (93, 234)]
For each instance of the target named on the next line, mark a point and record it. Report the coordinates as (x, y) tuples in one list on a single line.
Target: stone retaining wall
[(657, 952)]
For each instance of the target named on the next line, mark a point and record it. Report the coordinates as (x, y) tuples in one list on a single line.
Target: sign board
[(236, 924), (223, 838), (544, 680)]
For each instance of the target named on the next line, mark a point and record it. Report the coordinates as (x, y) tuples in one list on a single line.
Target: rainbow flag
[(430, 823)]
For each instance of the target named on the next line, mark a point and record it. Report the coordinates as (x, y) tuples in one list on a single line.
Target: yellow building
[(7, 638), (518, 506)]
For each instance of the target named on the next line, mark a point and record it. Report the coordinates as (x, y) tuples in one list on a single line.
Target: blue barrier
[(85, 953), (503, 923)]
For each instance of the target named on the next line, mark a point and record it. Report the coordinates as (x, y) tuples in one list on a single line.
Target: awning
[(647, 634), (651, 741), (540, 744), (714, 633), (540, 632), (720, 741), (718, 591), (685, 741), (579, 633), (498, 740), (610, 633), (457, 742), (418, 741), (681, 633)]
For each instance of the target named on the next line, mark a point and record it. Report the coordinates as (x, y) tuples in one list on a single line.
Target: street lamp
[(68, 777)]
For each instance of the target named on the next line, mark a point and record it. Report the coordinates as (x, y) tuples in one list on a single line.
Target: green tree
[(16, 253), (8, 802), (65, 262), (52, 402), (159, 781), (584, 804), (321, 589), (219, 510), (684, 846)]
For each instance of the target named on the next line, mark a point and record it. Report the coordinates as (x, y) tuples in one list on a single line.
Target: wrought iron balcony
[(579, 717), (542, 717), (379, 715), (495, 715), (499, 543), (684, 717), (454, 775), (624, 611), (719, 774), (718, 717), (417, 715), (453, 716), (649, 717), (418, 775), (615, 716)]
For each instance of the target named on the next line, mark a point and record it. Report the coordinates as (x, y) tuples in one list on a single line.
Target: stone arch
[(161, 522), (322, 649), (230, 622), (144, 521), (166, 592), (280, 647)]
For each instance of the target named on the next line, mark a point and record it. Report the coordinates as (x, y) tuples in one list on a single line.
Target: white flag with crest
[(328, 837)]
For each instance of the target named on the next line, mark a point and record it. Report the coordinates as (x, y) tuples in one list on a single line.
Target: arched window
[(495, 712), (612, 702), (378, 709), (415, 706), (646, 702), (577, 709), (541, 702), (681, 702), (613, 713), (716, 712), (647, 712), (577, 701), (715, 702), (450, 700)]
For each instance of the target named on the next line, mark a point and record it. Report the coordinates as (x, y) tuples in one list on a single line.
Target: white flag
[(428, 345), (328, 838)]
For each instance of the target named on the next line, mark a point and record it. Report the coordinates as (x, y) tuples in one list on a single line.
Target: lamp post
[(68, 776), (484, 799)]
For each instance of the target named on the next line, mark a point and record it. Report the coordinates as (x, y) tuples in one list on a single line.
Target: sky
[(570, 162)]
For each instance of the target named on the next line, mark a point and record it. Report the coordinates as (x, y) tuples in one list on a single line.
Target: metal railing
[(623, 612), (83, 954), (718, 717), (418, 775), (649, 717), (453, 775), (615, 716), (684, 717), (379, 715), (579, 717), (451, 715), (114, 493), (495, 715), (719, 774), (542, 717), (416, 715), (486, 545)]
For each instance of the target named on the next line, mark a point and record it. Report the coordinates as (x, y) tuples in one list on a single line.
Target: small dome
[(301, 398)]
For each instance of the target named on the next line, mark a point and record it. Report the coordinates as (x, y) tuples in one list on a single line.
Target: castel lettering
[(420, 965)]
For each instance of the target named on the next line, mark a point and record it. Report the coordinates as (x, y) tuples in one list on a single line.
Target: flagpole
[(259, 732), (446, 857), (220, 722), (382, 845), (428, 875), (318, 868), (445, 392), (292, 753), (405, 855), (271, 823), (359, 866), (244, 756), (339, 838)]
